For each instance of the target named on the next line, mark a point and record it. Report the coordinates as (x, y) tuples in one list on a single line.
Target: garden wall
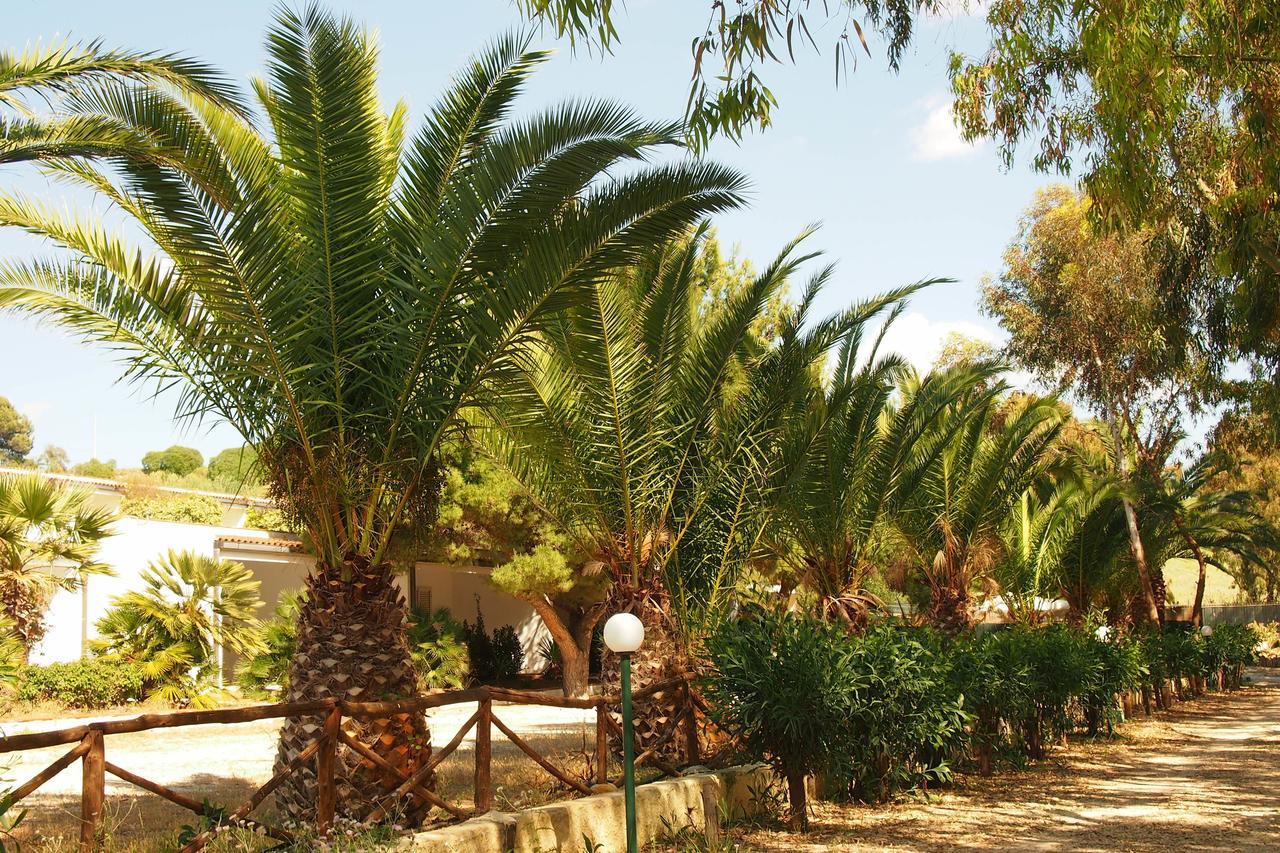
[(701, 801)]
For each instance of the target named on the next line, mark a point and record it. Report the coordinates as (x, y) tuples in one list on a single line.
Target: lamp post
[(624, 634)]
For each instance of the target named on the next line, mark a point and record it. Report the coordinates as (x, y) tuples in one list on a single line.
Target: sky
[(876, 162)]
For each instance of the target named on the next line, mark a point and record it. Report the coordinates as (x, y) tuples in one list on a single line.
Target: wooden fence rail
[(90, 749)]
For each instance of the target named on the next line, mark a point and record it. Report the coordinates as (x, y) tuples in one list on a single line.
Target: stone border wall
[(701, 801)]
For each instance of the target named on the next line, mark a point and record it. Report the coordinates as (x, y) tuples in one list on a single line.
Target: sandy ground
[(1205, 777)]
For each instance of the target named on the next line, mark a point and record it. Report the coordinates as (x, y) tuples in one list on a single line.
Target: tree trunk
[(1154, 613), (351, 645), (949, 610), (572, 632), (1197, 606), (796, 795), (661, 657)]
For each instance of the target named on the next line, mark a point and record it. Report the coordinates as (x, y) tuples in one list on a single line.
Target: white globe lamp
[(623, 633)]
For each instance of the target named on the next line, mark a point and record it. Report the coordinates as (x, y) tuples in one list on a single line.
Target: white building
[(277, 560)]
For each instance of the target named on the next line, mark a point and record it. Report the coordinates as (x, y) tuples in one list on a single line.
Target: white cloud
[(919, 340), (935, 136)]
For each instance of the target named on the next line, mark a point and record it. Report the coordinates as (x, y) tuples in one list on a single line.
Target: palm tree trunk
[(1154, 612), (351, 645), (1197, 607)]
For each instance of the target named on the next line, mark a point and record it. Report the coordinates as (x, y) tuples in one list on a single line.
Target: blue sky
[(877, 162)]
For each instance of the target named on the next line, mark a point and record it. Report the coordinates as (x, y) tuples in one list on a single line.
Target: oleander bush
[(893, 708), (88, 683)]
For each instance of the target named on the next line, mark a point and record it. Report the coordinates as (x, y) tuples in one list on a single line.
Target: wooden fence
[(90, 748)]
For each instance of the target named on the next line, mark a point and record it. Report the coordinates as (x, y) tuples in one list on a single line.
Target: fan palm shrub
[(49, 539), (340, 292), (189, 607), (951, 522)]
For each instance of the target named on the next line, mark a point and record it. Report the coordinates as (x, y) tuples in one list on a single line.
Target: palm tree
[(341, 294), (639, 428), (1196, 521), (45, 73), (853, 456), (952, 521), (190, 607), (49, 538)]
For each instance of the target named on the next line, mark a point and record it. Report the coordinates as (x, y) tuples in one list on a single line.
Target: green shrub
[(508, 653), (258, 673), (188, 509), (437, 643), (267, 518), (782, 683), (907, 720), (88, 683)]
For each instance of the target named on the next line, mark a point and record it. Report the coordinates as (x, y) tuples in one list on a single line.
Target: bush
[(782, 683), (508, 653), (88, 683), (269, 668), (267, 518), (496, 657), (438, 645), (188, 509)]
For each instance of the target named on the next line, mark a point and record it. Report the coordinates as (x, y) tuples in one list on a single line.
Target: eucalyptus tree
[(951, 521), (642, 432), (49, 539), (341, 291), (855, 454)]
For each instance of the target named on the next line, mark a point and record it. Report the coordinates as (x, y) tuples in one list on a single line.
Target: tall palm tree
[(952, 521), (49, 538), (854, 456), (190, 607), (45, 73), (342, 293), (639, 428)]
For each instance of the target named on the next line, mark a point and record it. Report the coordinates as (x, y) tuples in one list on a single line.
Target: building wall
[(463, 588), (136, 542)]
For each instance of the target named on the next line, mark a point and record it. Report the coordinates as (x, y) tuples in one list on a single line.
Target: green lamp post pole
[(628, 756), (624, 634)]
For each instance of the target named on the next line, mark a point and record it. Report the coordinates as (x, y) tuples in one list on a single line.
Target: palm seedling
[(342, 292)]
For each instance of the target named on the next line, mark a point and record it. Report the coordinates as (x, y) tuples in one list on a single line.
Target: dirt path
[(1205, 777)]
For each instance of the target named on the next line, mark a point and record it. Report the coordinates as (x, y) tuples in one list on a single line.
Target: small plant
[(781, 681), (508, 654), (439, 648), (267, 673)]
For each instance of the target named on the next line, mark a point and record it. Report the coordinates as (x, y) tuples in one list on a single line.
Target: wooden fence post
[(484, 757), (92, 791), (602, 743), (326, 762)]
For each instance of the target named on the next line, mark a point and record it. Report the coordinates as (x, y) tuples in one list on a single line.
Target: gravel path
[(1205, 777)]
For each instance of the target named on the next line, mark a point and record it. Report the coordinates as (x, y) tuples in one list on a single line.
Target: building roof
[(117, 486), (272, 543)]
